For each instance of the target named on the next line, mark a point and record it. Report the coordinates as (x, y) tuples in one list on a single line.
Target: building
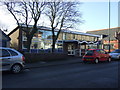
[(4, 39), (110, 40), (71, 42)]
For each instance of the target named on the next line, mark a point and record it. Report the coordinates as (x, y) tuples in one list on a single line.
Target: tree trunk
[(30, 36), (53, 44), (29, 40)]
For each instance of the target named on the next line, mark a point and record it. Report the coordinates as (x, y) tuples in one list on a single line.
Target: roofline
[(13, 30), (6, 35), (66, 31), (102, 29)]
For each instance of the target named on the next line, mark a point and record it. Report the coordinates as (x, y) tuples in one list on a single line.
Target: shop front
[(78, 48)]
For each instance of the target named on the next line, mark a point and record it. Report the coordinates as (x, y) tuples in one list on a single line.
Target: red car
[(96, 55)]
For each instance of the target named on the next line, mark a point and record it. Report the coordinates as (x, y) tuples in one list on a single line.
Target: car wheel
[(96, 60), (109, 59), (16, 68)]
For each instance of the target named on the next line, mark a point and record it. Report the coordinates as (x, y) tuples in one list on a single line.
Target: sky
[(94, 13)]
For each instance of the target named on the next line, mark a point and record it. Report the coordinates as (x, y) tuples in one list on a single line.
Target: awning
[(71, 41), (79, 42), (88, 42)]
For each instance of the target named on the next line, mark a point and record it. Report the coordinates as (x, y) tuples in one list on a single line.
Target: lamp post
[(109, 28)]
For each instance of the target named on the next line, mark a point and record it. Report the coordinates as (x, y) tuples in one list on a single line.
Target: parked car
[(11, 60), (96, 55), (115, 54)]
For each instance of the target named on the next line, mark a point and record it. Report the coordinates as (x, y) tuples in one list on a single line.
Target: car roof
[(95, 49), (5, 48), (116, 49)]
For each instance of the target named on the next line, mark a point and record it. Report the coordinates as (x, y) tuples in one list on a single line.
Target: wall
[(4, 40), (35, 57), (14, 39)]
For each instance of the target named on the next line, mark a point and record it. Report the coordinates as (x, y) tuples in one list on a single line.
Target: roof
[(80, 33), (105, 32), (104, 29), (63, 30), (7, 37), (13, 31), (95, 49)]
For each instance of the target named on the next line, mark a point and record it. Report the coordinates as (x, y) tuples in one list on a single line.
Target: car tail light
[(23, 58)]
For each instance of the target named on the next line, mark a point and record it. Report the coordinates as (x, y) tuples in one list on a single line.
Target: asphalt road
[(77, 75)]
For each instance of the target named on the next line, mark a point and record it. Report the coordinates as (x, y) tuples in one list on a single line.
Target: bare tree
[(62, 15), (26, 12)]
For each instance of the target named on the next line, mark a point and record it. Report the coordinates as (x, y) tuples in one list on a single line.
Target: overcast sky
[(94, 14)]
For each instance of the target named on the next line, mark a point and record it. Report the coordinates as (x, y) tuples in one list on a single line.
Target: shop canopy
[(79, 42)]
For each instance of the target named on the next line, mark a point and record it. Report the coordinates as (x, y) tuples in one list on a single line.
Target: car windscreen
[(90, 52), (116, 51)]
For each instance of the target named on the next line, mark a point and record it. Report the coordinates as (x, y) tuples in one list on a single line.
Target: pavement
[(71, 60)]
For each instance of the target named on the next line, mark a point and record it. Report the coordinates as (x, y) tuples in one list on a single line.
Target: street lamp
[(109, 28)]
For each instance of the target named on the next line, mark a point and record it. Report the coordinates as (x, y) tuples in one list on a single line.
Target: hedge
[(35, 57)]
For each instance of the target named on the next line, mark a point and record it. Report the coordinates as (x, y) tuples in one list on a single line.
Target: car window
[(101, 51), (90, 52), (13, 53), (98, 51), (5, 53), (116, 51)]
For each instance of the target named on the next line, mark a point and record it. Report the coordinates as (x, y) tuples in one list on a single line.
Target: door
[(100, 55), (103, 55), (71, 49)]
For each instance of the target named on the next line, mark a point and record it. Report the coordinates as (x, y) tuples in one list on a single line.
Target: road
[(77, 75)]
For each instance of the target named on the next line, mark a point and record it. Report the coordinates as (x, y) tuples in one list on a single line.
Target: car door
[(15, 57), (5, 59), (104, 56), (98, 54)]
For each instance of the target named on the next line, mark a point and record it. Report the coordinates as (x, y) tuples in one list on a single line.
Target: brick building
[(114, 42)]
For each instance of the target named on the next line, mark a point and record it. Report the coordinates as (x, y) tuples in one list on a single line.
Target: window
[(103, 52), (24, 44), (5, 53), (13, 53), (116, 51), (98, 51), (90, 52)]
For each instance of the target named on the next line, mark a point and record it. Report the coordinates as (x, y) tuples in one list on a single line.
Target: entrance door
[(71, 49)]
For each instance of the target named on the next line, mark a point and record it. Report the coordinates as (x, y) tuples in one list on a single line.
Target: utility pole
[(109, 29)]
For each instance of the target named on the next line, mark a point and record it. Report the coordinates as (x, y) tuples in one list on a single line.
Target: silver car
[(11, 60), (115, 54)]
